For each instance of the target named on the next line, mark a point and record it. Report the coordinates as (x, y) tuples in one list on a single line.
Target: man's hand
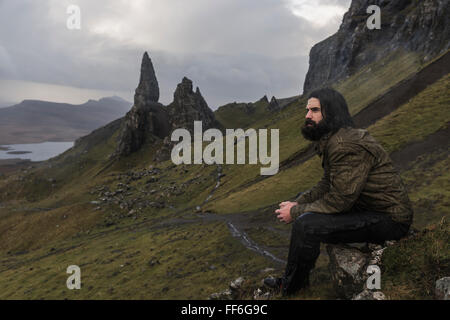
[(284, 213)]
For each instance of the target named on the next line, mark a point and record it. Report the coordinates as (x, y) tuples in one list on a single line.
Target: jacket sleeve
[(315, 192), (349, 168)]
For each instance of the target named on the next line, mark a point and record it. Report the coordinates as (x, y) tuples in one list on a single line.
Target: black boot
[(275, 284), (297, 278)]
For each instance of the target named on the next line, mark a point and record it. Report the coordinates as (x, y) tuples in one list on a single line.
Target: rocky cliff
[(422, 26)]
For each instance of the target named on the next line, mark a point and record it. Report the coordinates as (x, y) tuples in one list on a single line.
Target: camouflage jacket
[(358, 176)]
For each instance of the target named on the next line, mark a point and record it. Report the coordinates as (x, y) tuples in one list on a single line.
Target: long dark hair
[(334, 109)]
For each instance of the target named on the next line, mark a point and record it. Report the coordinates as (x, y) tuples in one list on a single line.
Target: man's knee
[(306, 223)]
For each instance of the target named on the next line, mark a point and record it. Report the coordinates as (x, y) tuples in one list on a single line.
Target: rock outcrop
[(141, 124), (349, 269), (189, 106), (273, 105), (250, 108), (419, 26), (149, 121), (263, 99)]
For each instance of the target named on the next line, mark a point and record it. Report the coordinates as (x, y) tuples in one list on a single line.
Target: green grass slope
[(241, 115), (411, 122)]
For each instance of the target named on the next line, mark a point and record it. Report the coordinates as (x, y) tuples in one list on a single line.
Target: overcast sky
[(233, 50)]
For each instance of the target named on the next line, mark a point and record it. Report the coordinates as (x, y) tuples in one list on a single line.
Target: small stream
[(249, 244), (235, 232)]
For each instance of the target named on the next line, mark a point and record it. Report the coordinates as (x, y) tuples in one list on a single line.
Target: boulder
[(349, 269), (442, 290)]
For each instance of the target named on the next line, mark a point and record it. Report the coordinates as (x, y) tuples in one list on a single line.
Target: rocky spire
[(273, 105), (147, 119), (264, 99), (184, 89), (148, 89)]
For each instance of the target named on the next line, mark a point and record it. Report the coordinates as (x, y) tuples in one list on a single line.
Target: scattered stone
[(390, 243), (158, 205), (232, 293), (224, 295), (267, 270), (259, 294), (151, 180), (376, 256), (236, 284), (153, 261), (442, 290), (370, 295)]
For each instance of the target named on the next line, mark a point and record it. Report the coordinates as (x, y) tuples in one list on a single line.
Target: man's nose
[(308, 115)]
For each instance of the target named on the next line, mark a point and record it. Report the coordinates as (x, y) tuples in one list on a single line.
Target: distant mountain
[(5, 104), (33, 121)]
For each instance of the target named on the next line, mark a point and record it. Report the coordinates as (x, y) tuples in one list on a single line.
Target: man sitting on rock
[(361, 197)]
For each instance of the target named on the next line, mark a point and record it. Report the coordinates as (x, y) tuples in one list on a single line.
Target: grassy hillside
[(426, 113), (132, 263), (241, 115), (381, 75)]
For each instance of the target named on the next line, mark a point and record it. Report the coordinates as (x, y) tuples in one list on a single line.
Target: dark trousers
[(311, 229)]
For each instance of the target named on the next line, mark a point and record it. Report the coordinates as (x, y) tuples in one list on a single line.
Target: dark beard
[(316, 131)]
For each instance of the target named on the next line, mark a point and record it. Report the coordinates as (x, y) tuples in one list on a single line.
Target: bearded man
[(361, 197)]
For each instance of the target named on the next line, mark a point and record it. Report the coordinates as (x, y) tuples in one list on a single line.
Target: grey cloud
[(233, 50)]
